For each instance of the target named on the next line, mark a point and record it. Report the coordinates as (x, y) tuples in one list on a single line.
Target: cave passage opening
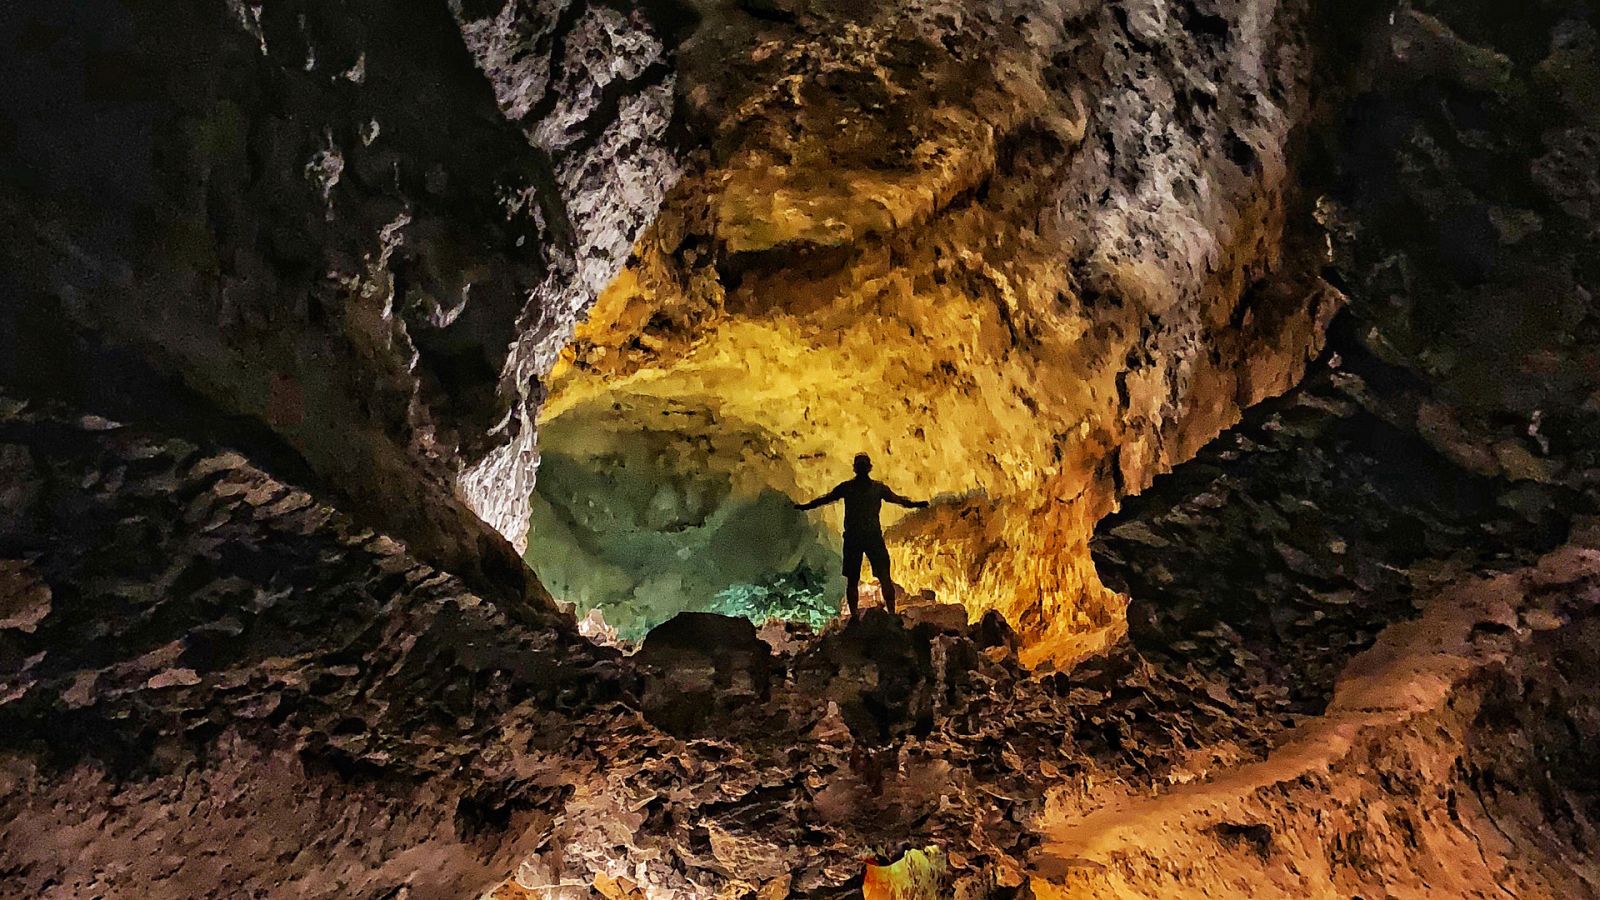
[(646, 507)]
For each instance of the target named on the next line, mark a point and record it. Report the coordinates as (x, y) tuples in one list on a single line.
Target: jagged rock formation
[(1445, 441), (1027, 254), (592, 85), (1413, 781), (1303, 533), (316, 218), (703, 673), (181, 630), (358, 692)]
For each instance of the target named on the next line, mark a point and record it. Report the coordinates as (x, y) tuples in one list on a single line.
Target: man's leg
[(878, 555), (852, 577)]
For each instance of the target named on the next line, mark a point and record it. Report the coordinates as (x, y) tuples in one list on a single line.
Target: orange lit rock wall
[(1027, 264)]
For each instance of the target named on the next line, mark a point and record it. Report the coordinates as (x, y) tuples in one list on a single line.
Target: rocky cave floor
[(1378, 710)]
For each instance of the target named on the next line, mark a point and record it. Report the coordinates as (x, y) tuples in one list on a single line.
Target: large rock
[(703, 673), (886, 678)]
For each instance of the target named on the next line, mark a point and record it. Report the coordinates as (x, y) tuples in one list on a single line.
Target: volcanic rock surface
[(1028, 255), (318, 218), (184, 632)]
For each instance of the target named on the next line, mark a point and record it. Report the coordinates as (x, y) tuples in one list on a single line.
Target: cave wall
[(362, 228), (1289, 544), (1444, 440), (1462, 218), (1449, 428), (592, 85), (223, 673), (1028, 255)]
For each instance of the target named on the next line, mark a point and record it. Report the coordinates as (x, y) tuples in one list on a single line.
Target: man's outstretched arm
[(832, 496), (898, 500)]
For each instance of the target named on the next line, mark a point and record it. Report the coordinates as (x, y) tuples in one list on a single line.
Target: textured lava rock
[(1028, 254), (1396, 787), (1462, 217), (877, 671), (592, 86), (179, 628), (315, 216), (1449, 429), (215, 681), (1528, 749), (324, 678), (1440, 438), (1293, 540)]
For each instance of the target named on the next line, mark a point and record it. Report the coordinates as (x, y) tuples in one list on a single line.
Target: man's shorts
[(876, 552)]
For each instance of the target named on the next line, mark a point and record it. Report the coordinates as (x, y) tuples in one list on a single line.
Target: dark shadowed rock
[(180, 628), (702, 672), (322, 221), (877, 671), (992, 630)]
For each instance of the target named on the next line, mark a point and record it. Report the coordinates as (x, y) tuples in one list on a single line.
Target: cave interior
[(405, 408)]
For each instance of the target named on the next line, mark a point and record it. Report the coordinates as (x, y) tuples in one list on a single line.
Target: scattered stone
[(24, 598), (172, 678)]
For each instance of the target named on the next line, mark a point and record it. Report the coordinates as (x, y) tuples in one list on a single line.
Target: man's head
[(863, 464)]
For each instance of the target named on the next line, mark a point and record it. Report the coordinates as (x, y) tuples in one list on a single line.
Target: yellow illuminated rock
[(1015, 305)]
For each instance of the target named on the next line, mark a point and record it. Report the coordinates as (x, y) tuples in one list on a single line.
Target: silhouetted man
[(863, 534)]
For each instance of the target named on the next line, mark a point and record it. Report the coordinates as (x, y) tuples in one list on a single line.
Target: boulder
[(701, 672), (878, 672)]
